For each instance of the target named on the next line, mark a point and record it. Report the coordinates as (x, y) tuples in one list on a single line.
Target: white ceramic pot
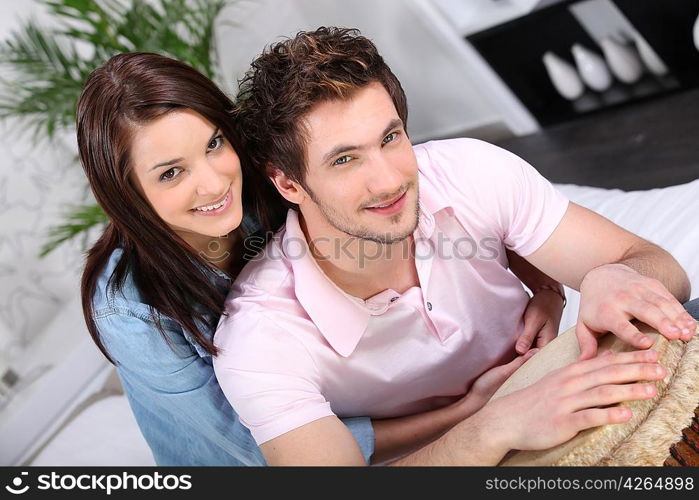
[(622, 59), (563, 76), (650, 59), (592, 68), (696, 33)]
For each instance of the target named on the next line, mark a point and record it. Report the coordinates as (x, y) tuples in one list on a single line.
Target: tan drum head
[(656, 423)]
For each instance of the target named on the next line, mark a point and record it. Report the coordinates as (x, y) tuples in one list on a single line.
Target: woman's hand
[(542, 318), (488, 383)]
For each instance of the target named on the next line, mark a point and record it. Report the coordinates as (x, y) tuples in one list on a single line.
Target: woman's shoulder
[(125, 319), (124, 300)]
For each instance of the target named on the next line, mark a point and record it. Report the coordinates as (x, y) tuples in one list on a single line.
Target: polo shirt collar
[(340, 319), (432, 200)]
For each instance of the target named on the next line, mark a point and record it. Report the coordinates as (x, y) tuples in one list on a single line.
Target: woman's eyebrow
[(177, 160)]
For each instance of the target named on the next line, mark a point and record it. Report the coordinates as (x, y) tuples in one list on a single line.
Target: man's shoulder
[(269, 271), (464, 155)]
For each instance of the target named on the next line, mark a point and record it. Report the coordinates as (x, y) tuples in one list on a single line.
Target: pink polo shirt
[(296, 348)]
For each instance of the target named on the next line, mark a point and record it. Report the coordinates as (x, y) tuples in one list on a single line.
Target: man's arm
[(394, 437), (620, 276), (545, 414)]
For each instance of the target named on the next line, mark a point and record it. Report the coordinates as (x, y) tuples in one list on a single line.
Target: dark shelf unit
[(515, 49)]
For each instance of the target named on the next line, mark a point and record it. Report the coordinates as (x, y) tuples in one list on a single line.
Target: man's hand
[(568, 400), (614, 294), (542, 318)]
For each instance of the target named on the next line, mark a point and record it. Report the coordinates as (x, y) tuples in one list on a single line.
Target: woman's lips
[(219, 210)]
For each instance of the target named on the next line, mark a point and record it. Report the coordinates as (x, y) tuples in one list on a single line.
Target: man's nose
[(384, 177)]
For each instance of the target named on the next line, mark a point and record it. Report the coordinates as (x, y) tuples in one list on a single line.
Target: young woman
[(165, 162)]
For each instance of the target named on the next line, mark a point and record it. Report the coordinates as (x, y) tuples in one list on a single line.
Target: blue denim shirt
[(173, 392)]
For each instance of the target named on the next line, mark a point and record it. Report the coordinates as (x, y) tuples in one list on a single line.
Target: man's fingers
[(618, 374), (586, 340), (585, 368), (659, 314), (678, 322), (632, 335), (595, 417), (606, 395)]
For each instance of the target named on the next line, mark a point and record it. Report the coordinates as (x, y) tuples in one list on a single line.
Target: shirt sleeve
[(177, 384), (522, 206), (268, 376)]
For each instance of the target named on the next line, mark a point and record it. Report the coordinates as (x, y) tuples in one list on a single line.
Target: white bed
[(105, 432)]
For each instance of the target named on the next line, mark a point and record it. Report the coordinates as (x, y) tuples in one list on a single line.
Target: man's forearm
[(652, 261), (471, 442), (397, 437)]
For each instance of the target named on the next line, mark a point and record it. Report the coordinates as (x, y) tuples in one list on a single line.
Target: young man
[(387, 293)]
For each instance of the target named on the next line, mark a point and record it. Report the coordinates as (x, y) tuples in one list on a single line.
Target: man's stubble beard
[(342, 224)]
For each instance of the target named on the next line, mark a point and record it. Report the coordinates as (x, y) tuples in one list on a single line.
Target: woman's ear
[(290, 190)]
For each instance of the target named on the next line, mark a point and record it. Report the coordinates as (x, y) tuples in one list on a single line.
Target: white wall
[(37, 183)]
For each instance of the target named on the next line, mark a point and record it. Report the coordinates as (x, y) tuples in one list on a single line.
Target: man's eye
[(342, 160), (216, 143), (390, 138), (170, 174)]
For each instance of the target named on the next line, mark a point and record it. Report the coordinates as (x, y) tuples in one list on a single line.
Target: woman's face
[(190, 174)]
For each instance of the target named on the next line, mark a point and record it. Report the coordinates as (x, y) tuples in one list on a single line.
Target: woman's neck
[(220, 251)]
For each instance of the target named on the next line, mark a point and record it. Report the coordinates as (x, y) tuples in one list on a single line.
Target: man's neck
[(363, 268)]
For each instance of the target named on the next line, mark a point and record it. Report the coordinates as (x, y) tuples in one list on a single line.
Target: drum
[(661, 430)]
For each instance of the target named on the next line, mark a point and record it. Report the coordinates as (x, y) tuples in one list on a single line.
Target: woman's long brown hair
[(131, 90)]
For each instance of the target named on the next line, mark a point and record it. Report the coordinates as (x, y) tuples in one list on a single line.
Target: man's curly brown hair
[(295, 74)]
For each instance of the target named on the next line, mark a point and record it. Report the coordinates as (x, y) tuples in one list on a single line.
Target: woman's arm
[(542, 316), (177, 401)]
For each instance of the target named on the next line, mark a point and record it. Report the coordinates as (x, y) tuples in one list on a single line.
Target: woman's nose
[(209, 180)]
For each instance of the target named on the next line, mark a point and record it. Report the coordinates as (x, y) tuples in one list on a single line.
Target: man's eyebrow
[(397, 122), (177, 160)]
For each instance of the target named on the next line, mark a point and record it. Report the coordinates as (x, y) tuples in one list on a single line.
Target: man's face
[(361, 170)]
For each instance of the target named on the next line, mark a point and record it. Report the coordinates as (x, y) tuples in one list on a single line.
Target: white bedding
[(106, 433)]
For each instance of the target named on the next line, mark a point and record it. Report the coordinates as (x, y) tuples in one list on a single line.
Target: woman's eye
[(342, 160), (390, 138), (216, 143), (169, 174)]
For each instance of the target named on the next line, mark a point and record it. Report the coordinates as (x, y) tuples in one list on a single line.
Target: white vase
[(650, 59), (696, 33), (592, 68), (563, 76), (622, 59)]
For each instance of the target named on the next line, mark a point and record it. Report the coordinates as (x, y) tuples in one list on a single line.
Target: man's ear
[(290, 190)]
